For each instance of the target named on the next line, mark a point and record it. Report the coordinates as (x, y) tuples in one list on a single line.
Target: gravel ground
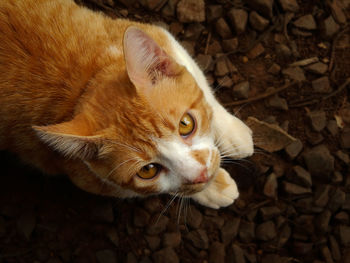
[(281, 65)]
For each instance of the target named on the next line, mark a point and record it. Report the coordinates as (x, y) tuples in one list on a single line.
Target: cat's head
[(150, 132)]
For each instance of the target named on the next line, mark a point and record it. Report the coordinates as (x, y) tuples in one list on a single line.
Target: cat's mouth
[(192, 188)]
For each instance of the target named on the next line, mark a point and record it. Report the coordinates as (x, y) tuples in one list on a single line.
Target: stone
[(238, 19), (264, 7), (319, 161), (326, 254), (221, 67), (165, 255), (131, 258), (306, 22), (214, 12), (191, 11), (241, 90), (270, 186), (294, 189), (26, 223), (229, 230), (153, 242), (329, 27), (321, 195), (106, 256), (345, 139), (277, 102), (300, 176), (337, 12), (157, 225), (170, 8), (172, 239), (294, 73), (322, 221), (229, 45), (224, 82), (256, 51), (285, 234), (283, 51), (318, 68), (141, 217), (150, 4), (275, 69), (302, 248), (152, 204), (237, 254), (313, 137), (198, 238), (204, 61), (318, 120), (194, 31), (246, 231), (214, 48), (337, 177), (344, 157), (342, 218), (335, 250), (223, 29), (258, 22), (289, 5), (271, 136), (269, 212), (188, 46), (321, 85), (336, 200), (294, 148), (332, 127), (217, 252)]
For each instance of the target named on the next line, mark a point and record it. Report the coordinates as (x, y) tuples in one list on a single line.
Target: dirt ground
[(283, 62)]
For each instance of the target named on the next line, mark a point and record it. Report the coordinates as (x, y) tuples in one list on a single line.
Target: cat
[(118, 106)]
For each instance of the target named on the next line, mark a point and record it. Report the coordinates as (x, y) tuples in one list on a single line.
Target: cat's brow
[(197, 100)]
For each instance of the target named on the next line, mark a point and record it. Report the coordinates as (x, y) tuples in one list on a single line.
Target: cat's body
[(98, 99)]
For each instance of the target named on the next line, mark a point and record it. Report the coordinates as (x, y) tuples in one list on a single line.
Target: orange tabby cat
[(118, 106)]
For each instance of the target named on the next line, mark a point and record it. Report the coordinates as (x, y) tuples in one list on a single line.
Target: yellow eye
[(186, 125), (149, 171)]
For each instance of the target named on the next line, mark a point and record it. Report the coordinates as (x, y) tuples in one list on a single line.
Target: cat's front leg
[(221, 192)]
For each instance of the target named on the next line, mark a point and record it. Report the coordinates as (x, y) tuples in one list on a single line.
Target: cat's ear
[(63, 138), (146, 61)]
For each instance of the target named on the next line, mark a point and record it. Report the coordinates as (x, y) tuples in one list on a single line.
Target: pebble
[(106, 256), (223, 29), (345, 139), (141, 217), (270, 187), (285, 234), (335, 250), (188, 46), (217, 252), (191, 11), (318, 120), (225, 81), (326, 254), (131, 258), (275, 69), (229, 230), (332, 127), (277, 102), (319, 161), (165, 255), (152, 204), (221, 67), (294, 73), (321, 195), (294, 148), (150, 4), (337, 177), (266, 231), (269, 212), (329, 27), (294, 189), (237, 254), (238, 19), (322, 221), (301, 176), (153, 242), (337, 12), (344, 234), (264, 7), (318, 68), (256, 51), (214, 12), (157, 225), (230, 44), (198, 238), (342, 218), (313, 137), (283, 51), (302, 248), (300, 32), (289, 5), (26, 223), (241, 90), (246, 231), (194, 31), (172, 239), (304, 62), (321, 85), (336, 200), (204, 61), (306, 22), (343, 156), (170, 8), (258, 22)]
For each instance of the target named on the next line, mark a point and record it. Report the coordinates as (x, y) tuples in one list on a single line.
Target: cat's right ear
[(146, 62)]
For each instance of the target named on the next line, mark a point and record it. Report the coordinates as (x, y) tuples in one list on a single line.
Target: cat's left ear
[(146, 61), (64, 139)]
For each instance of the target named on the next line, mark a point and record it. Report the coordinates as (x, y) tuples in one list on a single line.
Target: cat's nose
[(202, 177)]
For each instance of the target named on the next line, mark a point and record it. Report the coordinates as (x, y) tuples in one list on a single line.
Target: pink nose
[(202, 178)]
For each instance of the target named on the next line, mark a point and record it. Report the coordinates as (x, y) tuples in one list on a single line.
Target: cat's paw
[(221, 192), (233, 137)]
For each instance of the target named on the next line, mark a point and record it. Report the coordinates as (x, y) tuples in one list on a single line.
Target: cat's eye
[(149, 171), (186, 125)]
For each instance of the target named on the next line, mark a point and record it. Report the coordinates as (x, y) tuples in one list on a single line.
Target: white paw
[(221, 192)]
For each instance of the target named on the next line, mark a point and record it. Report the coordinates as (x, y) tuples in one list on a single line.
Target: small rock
[(337, 200), (322, 221), (230, 44), (326, 254), (294, 149), (332, 127), (55, 260), (301, 33), (157, 225), (237, 254), (172, 239), (165, 255), (344, 234), (329, 27), (283, 51), (113, 236), (198, 238), (289, 5), (191, 11), (214, 48), (131, 258), (345, 139), (304, 62), (42, 254), (204, 61), (194, 217), (229, 230), (273, 138), (153, 242), (225, 82), (106, 256), (319, 161), (141, 217), (275, 69), (246, 231), (337, 177), (318, 120), (277, 103), (306, 22), (188, 46), (294, 189), (284, 235), (264, 7), (321, 85), (318, 68), (238, 18), (321, 195), (176, 28), (269, 212), (294, 73), (302, 248), (214, 12), (300, 176), (169, 8), (221, 67), (241, 90), (217, 252), (152, 204), (342, 218), (193, 31), (313, 137), (258, 22), (337, 12), (223, 29), (334, 248), (26, 223), (343, 156), (256, 51)]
